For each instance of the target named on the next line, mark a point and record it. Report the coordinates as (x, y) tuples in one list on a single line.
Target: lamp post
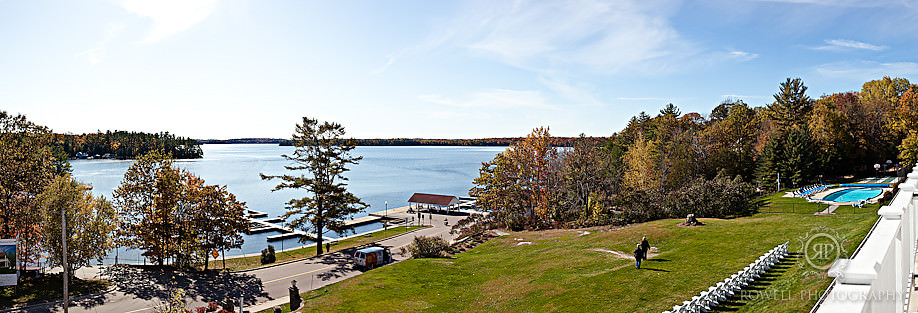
[(386, 222), (64, 263)]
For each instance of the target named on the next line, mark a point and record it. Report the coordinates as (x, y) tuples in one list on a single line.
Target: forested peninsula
[(125, 145)]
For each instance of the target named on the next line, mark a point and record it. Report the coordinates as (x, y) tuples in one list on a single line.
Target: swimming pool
[(853, 195)]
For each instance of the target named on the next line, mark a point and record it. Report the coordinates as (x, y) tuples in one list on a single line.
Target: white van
[(372, 257)]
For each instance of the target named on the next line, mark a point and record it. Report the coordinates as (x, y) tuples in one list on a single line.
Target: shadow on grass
[(757, 289), (654, 269)]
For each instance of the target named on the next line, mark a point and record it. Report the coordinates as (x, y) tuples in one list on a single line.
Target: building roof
[(427, 198)]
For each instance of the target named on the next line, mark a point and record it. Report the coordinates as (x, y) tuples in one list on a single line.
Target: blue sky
[(429, 69)]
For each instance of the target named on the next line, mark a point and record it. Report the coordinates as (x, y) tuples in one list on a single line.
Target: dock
[(260, 223), (268, 225), (255, 214)]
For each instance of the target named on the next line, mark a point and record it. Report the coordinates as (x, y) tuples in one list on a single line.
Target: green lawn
[(564, 271), (45, 288), (236, 264)]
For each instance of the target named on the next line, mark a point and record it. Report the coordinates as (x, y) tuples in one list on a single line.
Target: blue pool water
[(853, 195)]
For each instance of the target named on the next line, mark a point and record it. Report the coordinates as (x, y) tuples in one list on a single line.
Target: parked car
[(372, 257)]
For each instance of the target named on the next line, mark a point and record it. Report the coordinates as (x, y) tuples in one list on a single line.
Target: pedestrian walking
[(638, 256), (645, 246)]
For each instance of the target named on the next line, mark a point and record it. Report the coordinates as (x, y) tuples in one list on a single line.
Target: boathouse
[(431, 200)]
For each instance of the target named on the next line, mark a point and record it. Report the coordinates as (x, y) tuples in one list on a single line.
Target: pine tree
[(325, 156), (791, 104)]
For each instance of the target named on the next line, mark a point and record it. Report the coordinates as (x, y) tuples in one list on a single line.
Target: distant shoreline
[(484, 142)]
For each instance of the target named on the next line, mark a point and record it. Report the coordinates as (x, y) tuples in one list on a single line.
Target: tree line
[(487, 142), (127, 145), (713, 165), (480, 142)]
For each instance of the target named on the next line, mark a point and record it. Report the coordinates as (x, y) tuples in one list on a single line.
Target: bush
[(427, 247), (267, 255)]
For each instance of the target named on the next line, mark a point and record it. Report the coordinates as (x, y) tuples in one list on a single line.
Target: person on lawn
[(638, 256), (645, 246)]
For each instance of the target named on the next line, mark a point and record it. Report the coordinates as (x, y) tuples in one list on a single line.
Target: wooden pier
[(260, 223), (269, 225)]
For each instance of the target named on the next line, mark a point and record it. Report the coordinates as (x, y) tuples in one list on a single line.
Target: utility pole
[(64, 263)]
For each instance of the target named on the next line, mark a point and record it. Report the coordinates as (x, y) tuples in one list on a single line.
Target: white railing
[(879, 277), (710, 298)]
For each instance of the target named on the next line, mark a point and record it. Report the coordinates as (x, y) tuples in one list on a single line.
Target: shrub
[(267, 255), (427, 247)]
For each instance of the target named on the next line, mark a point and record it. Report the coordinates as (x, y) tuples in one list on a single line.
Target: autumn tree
[(170, 213), (27, 165), (538, 174), (729, 140), (908, 149), (91, 222), (147, 200), (218, 219), (519, 187), (324, 155), (828, 128), (640, 166), (588, 184), (879, 99), (905, 115)]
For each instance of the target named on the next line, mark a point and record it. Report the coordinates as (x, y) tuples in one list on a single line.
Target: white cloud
[(170, 17), (94, 55), (579, 94), (603, 36), (493, 99), (742, 56), (843, 44), (867, 70)]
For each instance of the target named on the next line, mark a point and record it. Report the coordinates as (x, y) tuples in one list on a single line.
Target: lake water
[(390, 174)]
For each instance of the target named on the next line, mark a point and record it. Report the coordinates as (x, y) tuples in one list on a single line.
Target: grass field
[(244, 263), (571, 271)]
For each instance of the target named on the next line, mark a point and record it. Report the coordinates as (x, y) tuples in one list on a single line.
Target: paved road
[(140, 291)]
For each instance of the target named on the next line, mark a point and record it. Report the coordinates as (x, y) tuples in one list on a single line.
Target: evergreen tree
[(789, 153), (325, 156), (791, 104)]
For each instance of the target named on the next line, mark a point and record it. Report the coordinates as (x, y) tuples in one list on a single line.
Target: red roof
[(427, 198)]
